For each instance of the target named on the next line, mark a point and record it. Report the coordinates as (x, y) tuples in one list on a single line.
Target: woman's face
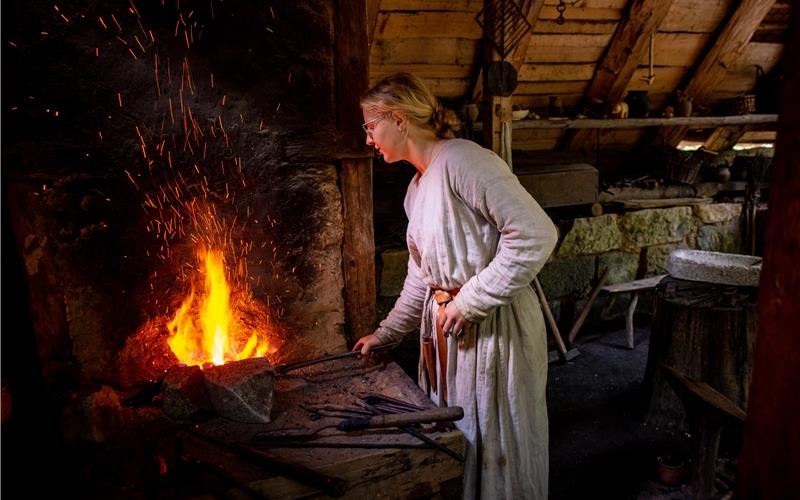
[(384, 135)]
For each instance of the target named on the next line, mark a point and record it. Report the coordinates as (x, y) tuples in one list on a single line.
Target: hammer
[(563, 354)]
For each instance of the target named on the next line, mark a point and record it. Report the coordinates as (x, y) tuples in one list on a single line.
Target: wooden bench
[(633, 287)]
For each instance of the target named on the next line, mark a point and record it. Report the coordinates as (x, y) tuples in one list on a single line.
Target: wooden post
[(355, 173), (496, 110), (770, 456)]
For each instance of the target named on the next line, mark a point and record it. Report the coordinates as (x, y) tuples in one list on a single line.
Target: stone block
[(645, 228), (715, 213), (591, 235), (393, 274), (562, 277), (242, 390), (622, 266), (184, 392), (657, 257), (725, 238)]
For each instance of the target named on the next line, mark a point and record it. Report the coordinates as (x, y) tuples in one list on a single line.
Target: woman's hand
[(366, 343), (454, 322)]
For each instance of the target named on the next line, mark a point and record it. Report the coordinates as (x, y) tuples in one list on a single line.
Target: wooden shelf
[(691, 121)]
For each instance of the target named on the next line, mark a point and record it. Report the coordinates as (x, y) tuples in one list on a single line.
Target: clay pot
[(670, 471)]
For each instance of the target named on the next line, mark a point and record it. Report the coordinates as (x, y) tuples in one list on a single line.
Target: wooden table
[(398, 469)]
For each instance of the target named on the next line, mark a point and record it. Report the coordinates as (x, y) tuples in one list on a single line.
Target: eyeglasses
[(366, 125)]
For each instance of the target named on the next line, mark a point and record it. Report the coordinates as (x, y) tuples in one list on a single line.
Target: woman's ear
[(399, 119)]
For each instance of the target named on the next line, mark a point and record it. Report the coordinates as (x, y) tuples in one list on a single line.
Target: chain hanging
[(561, 7)]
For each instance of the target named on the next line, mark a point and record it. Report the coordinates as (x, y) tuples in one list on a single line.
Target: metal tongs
[(287, 367)]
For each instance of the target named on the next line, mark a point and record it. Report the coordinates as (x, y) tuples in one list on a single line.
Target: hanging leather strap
[(442, 297)]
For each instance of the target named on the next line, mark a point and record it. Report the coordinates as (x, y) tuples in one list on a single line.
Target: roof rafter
[(628, 46), (726, 48)]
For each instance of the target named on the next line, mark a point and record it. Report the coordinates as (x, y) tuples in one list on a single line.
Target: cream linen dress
[(473, 226)]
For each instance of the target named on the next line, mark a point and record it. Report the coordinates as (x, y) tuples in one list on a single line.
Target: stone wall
[(630, 244)]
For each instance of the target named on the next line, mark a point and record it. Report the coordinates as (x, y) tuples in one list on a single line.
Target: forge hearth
[(140, 134)]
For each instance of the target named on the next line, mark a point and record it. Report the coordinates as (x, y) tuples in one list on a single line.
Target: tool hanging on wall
[(651, 75), (505, 23)]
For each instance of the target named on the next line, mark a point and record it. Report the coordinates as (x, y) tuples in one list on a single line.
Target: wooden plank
[(627, 49), (769, 458), (351, 64), (564, 54), (473, 6), (691, 121), (548, 88), (759, 136), (547, 26), (724, 138), (540, 102), (636, 285), (436, 50), (695, 16), (427, 25), (358, 252), (378, 71), (555, 72), (536, 144), (542, 41), (679, 49), (359, 246), (582, 13), (766, 55), (373, 9), (665, 202), (727, 47)]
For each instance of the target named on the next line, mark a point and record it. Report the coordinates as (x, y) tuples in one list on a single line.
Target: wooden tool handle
[(448, 414)]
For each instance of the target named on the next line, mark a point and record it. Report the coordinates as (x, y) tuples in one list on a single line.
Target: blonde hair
[(406, 92)]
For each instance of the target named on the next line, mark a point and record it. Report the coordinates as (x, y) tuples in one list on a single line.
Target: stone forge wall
[(626, 244), (106, 106)]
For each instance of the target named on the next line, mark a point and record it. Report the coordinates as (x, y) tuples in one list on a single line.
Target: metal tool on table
[(372, 422), (287, 367)]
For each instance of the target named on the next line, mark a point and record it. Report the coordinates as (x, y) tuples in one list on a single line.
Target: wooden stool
[(633, 287)]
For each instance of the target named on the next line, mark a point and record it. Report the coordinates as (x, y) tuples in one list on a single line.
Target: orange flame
[(203, 329)]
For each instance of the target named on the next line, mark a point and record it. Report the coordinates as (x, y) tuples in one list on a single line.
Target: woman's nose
[(370, 142)]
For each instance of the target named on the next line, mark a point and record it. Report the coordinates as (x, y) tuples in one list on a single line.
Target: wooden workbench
[(386, 472)]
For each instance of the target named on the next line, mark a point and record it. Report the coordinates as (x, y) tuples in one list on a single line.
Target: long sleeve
[(527, 238), (406, 314)]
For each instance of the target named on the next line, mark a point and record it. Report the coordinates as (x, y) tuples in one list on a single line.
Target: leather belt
[(430, 353)]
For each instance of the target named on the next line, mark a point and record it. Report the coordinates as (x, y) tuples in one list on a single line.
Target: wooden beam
[(770, 453), (628, 47), (727, 47), (373, 9), (519, 54), (351, 60), (691, 122), (359, 247), (724, 138)]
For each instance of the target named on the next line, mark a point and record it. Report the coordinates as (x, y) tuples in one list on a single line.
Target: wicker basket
[(741, 105), (683, 166)]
